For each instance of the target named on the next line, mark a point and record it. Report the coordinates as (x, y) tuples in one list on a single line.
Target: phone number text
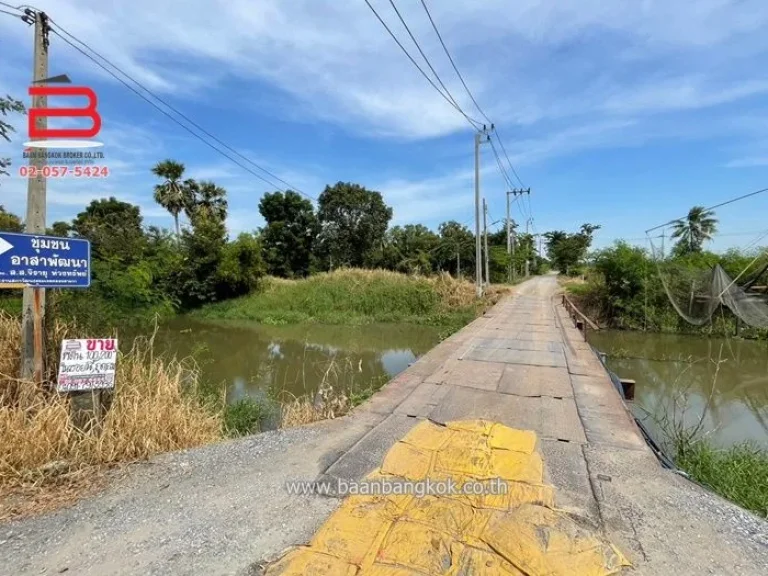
[(64, 171)]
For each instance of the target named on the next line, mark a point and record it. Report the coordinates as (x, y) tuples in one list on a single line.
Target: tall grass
[(352, 296), (154, 409), (739, 473)]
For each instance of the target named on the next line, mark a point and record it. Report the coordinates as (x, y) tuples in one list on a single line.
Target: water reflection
[(665, 366), (255, 360)]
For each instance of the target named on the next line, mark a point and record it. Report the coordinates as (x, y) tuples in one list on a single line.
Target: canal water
[(253, 360), (678, 379)]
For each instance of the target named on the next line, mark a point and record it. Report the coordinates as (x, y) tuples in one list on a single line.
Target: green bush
[(245, 417), (739, 473)]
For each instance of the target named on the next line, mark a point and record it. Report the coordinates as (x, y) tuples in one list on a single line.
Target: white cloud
[(526, 60)]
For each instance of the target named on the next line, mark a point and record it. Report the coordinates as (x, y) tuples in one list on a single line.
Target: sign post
[(39, 262), (44, 261), (87, 365)]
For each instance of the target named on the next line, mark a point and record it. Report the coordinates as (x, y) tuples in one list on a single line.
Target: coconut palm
[(695, 229), (207, 200), (172, 194)]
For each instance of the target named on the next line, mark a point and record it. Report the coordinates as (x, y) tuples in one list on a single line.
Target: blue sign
[(44, 261)]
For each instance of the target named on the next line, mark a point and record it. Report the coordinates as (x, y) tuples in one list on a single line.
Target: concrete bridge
[(224, 509)]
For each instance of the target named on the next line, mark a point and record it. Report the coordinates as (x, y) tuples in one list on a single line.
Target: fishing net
[(697, 287)]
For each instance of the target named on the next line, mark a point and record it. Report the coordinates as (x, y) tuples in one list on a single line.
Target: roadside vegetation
[(353, 296), (55, 449), (621, 286), (738, 473)]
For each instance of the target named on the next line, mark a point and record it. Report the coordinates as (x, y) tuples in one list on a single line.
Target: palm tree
[(172, 194), (699, 226), (207, 200)]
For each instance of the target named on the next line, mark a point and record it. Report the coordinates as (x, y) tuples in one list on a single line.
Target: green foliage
[(624, 289), (693, 230), (245, 417), (172, 194), (9, 222), (241, 267), (203, 249), (409, 249), (114, 229), (456, 249), (347, 297), (739, 473), (624, 270), (289, 237), (205, 200), (566, 250), (353, 222), (8, 105), (498, 263)]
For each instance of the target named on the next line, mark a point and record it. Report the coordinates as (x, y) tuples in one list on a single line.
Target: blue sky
[(622, 113)]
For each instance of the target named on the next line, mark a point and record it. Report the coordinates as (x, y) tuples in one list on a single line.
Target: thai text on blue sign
[(44, 261)]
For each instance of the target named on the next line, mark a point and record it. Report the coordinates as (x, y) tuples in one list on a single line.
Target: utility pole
[(458, 263), (663, 235), (515, 192), (33, 317), (509, 242), (485, 241), (527, 256), (481, 136)]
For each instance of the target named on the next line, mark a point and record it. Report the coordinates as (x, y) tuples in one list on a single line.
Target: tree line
[(146, 269)]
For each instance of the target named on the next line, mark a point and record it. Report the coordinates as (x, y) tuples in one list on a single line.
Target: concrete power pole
[(33, 318), (480, 137), (527, 256), (485, 241), (509, 242)]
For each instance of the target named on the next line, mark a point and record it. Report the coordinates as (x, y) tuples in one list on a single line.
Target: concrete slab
[(480, 375), (535, 381), (566, 469), (422, 400), (603, 414), (369, 451), (669, 525), (391, 395), (515, 344), (529, 357), (549, 417)]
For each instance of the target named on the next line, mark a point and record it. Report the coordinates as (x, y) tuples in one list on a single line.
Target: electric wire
[(453, 63), (474, 123), (504, 150), (423, 55), (57, 27), (731, 201), (19, 16)]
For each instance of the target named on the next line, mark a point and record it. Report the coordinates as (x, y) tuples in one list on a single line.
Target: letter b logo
[(88, 111)]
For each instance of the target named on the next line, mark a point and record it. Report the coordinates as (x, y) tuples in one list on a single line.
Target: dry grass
[(46, 456)]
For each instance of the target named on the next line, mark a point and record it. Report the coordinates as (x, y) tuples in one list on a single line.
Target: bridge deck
[(222, 509)]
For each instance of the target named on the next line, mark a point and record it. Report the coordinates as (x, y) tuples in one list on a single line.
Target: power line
[(19, 16), (501, 168), (423, 55), (474, 123), (731, 201), (469, 92), (176, 111), (453, 63), (503, 149)]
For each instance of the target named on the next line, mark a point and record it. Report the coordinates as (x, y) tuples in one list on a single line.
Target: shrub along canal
[(675, 378)]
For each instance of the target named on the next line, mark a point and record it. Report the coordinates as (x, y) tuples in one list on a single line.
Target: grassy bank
[(739, 473), (52, 451), (358, 297)]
